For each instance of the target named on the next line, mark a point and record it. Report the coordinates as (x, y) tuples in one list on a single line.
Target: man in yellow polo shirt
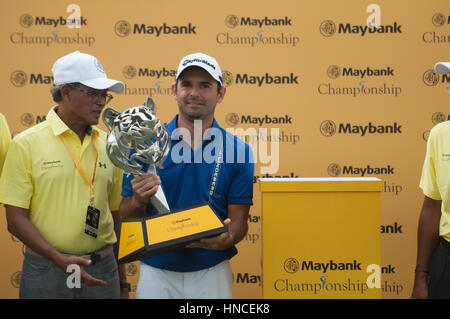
[(5, 140), (62, 193), (432, 273)]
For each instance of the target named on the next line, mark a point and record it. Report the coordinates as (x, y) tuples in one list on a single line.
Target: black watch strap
[(125, 285)]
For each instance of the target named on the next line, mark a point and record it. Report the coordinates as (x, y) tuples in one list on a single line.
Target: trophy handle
[(109, 115), (150, 104)]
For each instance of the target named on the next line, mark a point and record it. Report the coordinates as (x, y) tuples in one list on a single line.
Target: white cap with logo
[(209, 64), (442, 67), (86, 69)]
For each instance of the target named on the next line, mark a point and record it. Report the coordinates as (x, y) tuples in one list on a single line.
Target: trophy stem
[(158, 200)]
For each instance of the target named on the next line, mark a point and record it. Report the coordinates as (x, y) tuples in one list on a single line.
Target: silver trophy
[(138, 128)]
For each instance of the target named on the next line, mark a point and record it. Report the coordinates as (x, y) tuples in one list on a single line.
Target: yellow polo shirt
[(40, 175), (435, 180), (5, 140)]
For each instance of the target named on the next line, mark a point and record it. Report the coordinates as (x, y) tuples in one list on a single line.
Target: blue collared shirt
[(219, 171)]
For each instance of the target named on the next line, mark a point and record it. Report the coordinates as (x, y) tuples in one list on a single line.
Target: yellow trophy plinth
[(321, 237), (146, 237)]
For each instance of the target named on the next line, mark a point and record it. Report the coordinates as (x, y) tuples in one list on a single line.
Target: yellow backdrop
[(346, 88)]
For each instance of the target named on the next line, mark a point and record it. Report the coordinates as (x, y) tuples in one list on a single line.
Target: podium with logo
[(321, 238)]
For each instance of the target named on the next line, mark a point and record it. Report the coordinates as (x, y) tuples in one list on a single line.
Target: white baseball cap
[(442, 67), (86, 69), (209, 64)]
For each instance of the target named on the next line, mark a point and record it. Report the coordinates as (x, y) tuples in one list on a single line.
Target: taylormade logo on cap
[(209, 64), (198, 60)]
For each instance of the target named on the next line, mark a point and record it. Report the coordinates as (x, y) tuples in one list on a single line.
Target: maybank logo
[(292, 265), (260, 79), (123, 28), (232, 21), (329, 28), (431, 78), (266, 32), (15, 279), (438, 20), (362, 86), (26, 21), (336, 170), (130, 72), (439, 117), (233, 119), (29, 119), (328, 128), (436, 118), (19, 78), (335, 71), (246, 278), (60, 32)]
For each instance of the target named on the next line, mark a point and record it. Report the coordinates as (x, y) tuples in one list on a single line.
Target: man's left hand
[(219, 242)]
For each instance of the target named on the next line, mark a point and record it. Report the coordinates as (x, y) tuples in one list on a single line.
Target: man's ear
[(221, 94), (174, 90), (65, 92)]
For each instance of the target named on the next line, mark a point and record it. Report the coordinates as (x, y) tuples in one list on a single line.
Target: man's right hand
[(420, 290), (64, 261), (144, 187)]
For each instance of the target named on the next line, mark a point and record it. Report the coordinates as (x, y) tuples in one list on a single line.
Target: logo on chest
[(52, 164)]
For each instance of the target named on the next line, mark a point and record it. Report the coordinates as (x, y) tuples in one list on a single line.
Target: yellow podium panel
[(321, 237)]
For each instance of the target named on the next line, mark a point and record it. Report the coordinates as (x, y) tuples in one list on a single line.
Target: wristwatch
[(125, 285)]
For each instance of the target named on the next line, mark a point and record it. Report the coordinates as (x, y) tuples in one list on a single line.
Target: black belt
[(445, 243), (95, 256)]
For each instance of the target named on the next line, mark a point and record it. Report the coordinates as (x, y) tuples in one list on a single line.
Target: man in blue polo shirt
[(206, 164)]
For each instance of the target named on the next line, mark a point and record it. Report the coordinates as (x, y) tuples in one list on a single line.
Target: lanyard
[(79, 166)]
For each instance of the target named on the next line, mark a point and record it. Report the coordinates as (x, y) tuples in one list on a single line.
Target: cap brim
[(442, 67), (105, 84)]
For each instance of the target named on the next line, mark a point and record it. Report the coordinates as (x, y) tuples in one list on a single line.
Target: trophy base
[(151, 236)]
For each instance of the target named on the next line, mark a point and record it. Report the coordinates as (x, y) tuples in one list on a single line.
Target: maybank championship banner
[(317, 88)]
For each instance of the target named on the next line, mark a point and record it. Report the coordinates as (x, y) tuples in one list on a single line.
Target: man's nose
[(194, 91)]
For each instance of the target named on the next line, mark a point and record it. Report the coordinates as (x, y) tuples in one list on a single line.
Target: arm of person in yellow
[(237, 223), (427, 241), (5, 140), (21, 227)]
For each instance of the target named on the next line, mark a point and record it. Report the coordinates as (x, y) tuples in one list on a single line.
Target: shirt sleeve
[(5, 140), (16, 184), (428, 182), (127, 190)]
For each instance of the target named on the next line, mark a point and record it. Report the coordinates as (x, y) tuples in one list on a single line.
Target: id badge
[(92, 218)]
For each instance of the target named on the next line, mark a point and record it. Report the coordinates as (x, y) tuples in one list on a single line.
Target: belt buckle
[(95, 258)]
